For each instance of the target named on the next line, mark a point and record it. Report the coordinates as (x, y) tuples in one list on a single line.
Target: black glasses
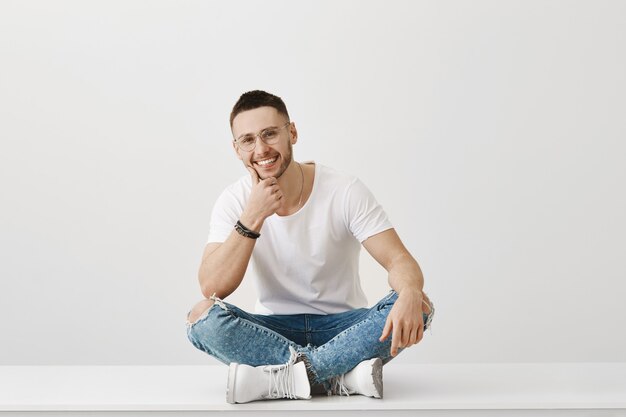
[(268, 135)]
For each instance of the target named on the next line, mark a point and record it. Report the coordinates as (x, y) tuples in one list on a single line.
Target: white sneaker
[(250, 383), (365, 379)]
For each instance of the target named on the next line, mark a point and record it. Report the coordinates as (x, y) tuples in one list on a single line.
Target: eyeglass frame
[(258, 135)]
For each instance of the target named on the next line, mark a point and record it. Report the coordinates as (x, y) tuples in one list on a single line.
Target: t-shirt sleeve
[(225, 214), (364, 216)]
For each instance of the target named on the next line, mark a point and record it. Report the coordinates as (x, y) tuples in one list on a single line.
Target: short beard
[(286, 160)]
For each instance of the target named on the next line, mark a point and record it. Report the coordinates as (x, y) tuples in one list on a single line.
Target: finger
[(386, 330), (413, 338), (271, 181), (420, 333), (420, 329), (395, 340), (253, 174), (405, 336)]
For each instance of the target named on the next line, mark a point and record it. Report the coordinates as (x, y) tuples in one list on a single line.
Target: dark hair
[(255, 99)]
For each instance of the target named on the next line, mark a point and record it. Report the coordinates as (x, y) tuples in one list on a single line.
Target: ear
[(237, 151), (293, 133)]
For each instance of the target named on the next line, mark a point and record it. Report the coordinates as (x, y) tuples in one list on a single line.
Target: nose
[(260, 146)]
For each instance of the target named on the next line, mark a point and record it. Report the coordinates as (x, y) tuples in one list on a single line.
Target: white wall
[(491, 131)]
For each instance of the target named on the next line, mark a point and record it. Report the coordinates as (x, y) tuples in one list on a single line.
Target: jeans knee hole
[(201, 317)]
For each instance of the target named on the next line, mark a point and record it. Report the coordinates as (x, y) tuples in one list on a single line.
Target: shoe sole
[(377, 377), (230, 388)]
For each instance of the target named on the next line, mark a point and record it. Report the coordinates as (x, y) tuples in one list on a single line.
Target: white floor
[(434, 389)]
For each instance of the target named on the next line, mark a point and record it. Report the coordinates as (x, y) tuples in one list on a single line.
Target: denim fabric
[(331, 344)]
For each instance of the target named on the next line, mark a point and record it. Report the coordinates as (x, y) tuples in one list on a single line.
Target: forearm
[(405, 322), (405, 274), (222, 271)]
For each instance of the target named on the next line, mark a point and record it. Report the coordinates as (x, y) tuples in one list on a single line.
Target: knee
[(199, 310)]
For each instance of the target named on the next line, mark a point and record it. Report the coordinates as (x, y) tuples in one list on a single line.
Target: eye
[(246, 140), (269, 133)]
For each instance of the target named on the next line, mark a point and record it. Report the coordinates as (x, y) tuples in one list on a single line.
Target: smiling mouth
[(265, 163)]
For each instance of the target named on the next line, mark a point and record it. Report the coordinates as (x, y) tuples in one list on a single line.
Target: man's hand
[(405, 321), (265, 199)]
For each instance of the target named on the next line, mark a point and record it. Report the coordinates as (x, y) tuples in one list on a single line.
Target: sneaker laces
[(281, 379), (338, 386)]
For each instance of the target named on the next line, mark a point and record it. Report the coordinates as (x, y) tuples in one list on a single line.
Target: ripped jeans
[(331, 344)]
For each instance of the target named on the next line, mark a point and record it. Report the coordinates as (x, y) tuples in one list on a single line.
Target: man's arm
[(224, 264), (405, 320)]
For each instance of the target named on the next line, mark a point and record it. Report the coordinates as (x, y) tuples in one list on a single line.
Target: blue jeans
[(331, 344)]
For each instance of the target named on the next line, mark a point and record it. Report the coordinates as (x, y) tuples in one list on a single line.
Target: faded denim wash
[(331, 344)]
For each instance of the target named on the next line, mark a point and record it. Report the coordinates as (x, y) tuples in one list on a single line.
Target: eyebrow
[(252, 133)]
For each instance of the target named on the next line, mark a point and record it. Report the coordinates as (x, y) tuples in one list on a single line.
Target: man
[(302, 225)]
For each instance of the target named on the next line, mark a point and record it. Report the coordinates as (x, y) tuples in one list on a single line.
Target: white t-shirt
[(308, 262)]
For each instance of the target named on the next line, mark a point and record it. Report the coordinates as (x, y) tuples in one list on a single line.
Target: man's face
[(267, 160)]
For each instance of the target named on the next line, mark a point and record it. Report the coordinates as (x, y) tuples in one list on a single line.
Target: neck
[(292, 185)]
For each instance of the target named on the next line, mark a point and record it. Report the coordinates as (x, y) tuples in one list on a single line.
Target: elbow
[(210, 289), (207, 291), (215, 282), (207, 287)]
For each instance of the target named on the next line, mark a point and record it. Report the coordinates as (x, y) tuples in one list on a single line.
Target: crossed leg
[(232, 335)]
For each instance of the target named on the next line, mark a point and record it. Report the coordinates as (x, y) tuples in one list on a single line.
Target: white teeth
[(267, 161)]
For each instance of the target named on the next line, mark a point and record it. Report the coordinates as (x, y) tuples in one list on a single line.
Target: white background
[(492, 132)]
